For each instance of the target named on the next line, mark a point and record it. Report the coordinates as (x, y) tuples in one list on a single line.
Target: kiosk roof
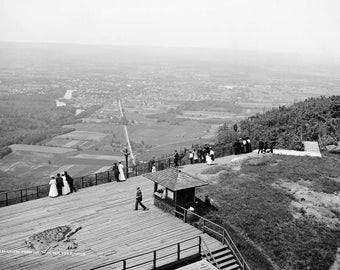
[(175, 179)]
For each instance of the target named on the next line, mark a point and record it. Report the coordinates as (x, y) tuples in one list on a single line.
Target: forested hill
[(32, 118), (313, 119)]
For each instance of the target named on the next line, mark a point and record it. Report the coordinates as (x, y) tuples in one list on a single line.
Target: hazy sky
[(311, 26)]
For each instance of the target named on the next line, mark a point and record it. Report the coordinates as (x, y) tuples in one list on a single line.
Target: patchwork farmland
[(73, 152), (93, 148)]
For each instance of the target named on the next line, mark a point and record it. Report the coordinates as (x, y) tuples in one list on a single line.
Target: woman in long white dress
[(66, 187), (208, 159), (121, 172), (53, 188), (212, 154)]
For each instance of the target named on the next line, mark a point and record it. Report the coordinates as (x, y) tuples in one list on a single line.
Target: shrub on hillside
[(5, 151), (260, 160)]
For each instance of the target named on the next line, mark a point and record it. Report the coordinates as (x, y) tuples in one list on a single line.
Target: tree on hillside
[(226, 135)]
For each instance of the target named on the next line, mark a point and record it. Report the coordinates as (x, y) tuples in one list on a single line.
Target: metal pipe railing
[(154, 254), (208, 255), (225, 237)]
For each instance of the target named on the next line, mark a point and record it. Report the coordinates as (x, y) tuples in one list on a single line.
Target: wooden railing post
[(126, 163), (154, 259), (199, 245), (124, 264), (178, 251)]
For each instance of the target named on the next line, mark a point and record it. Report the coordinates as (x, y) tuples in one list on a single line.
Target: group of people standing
[(242, 146), (202, 155), (118, 171), (61, 185), (263, 147)]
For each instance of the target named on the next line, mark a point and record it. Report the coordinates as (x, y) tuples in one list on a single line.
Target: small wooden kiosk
[(173, 187)]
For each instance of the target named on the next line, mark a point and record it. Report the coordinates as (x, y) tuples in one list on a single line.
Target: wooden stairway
[(224, 259)]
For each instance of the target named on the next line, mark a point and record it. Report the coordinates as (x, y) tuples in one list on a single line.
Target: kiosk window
[(170, 194)]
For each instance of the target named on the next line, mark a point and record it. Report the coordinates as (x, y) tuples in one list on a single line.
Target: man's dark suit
[(60, 185), (116, 172)]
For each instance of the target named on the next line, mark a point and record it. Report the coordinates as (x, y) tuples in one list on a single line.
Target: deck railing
[(208, 255), (36, 192), (159, 257), (215, 230)]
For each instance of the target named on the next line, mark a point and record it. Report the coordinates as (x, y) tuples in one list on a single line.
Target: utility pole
[(127, 163)]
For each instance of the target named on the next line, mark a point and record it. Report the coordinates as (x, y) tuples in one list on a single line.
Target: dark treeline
[(32, 118), (315, 119), (209, 105)]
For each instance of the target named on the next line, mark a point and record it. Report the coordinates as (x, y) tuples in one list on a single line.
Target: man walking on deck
[(139, 198)]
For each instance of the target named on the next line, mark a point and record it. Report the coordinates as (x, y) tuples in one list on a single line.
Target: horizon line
[(159, 46)]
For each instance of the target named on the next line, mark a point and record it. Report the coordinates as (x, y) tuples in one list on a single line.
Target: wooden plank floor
[(111, 228)]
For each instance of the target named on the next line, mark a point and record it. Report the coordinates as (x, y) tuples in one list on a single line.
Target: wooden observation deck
[(111, 229)]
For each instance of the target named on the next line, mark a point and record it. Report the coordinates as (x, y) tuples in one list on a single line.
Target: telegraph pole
[(127, 163)]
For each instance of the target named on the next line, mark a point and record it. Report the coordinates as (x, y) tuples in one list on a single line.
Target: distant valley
[(172, 99)]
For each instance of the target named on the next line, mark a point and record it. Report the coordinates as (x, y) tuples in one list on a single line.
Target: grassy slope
[(260, 212)]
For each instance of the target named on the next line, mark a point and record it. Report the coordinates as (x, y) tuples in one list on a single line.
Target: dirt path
[(197, 169)]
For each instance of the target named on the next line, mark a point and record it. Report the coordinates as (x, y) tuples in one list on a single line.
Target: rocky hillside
[(283, 212)]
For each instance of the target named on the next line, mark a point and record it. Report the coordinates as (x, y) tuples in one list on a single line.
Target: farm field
[(89, 149), (208, 114), (158, 135), (30, 167), (83, 136), (39, 148)]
